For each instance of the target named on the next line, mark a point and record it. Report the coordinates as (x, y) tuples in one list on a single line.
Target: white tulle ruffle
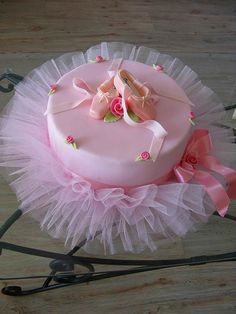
[(67, 206)]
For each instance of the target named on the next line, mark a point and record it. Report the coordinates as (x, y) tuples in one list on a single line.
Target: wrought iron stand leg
[(10, 221)]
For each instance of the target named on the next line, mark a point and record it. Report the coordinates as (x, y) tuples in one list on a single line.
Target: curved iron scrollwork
[(12, 78), (62, 266)]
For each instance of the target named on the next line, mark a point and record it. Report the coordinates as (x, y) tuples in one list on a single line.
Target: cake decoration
[(158, 67), (98, 192), (140, 97), (198, 153), (116, 107), (191, 118), (110, 117), (53, 88), (98, 59), (143, 156), (129, 87), (116, 111), (133, 116), (71, 141), (106, 92)]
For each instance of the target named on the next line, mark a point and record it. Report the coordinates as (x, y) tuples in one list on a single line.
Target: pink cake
[(106, 152), (123, 185)]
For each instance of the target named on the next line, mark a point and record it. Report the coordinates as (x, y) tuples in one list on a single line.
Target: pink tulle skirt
[(67, 206)]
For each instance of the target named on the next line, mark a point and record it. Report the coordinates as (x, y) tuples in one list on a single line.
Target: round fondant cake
[(120, 145), (106, 151)]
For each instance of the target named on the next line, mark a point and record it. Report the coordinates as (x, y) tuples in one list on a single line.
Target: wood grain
[(202, 35), (173, 26)]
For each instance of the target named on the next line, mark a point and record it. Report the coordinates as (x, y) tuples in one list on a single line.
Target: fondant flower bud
[(116, 107), (99, 59), (70, 139), (145, 155)]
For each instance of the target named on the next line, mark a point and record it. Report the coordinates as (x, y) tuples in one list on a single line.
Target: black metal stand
[(12, 79), (63, 265)]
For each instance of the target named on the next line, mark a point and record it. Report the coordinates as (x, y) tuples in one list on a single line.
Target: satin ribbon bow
[(196, 163)]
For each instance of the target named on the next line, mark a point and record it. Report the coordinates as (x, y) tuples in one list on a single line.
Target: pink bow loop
[(197, 155), (85, 92)]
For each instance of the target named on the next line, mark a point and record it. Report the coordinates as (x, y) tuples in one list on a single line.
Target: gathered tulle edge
[(56, 224)]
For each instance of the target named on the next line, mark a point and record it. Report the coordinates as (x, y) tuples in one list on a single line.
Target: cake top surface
[(117, 143)]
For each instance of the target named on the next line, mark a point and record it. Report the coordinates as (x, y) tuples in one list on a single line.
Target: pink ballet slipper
[(101, 101), (140, 98)]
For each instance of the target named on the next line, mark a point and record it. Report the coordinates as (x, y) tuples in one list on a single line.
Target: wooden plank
[(176, 26), (216, 71)]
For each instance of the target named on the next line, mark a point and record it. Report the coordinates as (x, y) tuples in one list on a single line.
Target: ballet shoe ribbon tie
[(196, 163), (85, 93)]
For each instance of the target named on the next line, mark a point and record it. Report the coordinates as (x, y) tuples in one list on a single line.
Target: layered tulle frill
[(65, 204)]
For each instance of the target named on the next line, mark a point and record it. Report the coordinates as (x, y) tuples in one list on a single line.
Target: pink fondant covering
[(107, 151), (110, 219)]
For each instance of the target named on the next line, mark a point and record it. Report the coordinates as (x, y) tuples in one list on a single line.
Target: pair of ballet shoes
[(139, 99)]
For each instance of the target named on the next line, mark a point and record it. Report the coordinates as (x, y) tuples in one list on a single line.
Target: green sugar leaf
[(74, 145), (133, 116), (110, 117), (138, 158)]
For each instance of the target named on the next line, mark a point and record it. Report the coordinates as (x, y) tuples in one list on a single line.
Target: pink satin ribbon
[(85, 93), (196, 163), (159, 133)]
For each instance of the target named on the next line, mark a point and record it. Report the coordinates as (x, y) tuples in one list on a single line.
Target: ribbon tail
[(114, 67), (183, 175), (85, 93), (82, 86), (215, 190), (60, 107), (159, 133), (229, 174), (156, 145)]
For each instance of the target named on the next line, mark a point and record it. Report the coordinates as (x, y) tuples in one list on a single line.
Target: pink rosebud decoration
[(143, 156), (116, 107), (53, 88), (99, 59), (192, 117), (158, 67), (70, 140)]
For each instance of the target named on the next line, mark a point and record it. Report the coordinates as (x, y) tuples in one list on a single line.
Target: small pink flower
[(158, 67), (116, 107), (70, 139), (192, 115), (99, 59), (145, 155), (53, 88), (191, 159)]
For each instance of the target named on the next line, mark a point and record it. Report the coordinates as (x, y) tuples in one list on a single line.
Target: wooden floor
[(202, 34)]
